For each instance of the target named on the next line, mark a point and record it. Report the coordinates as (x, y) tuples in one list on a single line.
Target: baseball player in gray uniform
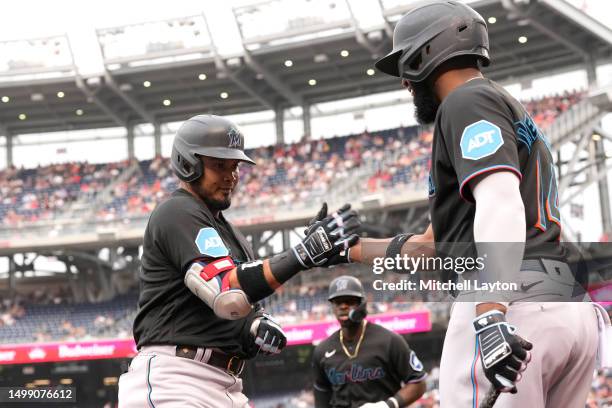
[(198, 318), (491, 180)]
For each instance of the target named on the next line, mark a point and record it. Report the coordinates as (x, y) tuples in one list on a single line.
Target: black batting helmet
[(205, 135), (347, 285), (431, 33)]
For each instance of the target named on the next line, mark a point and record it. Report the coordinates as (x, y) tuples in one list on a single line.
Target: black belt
[(231, 364)]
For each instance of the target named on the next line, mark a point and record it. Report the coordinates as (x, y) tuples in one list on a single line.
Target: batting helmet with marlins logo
[(350, 286), (431, 33), (205, 135)]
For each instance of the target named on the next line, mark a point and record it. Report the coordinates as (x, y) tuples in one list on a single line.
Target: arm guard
[(211, 284)]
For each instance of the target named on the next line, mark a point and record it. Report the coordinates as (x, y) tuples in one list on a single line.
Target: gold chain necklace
[(349, 355)]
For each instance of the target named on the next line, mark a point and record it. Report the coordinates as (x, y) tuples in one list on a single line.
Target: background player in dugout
[(489, 165), (197, 318), (363, 365)]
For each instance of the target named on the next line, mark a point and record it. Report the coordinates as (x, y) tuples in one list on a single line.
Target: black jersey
[(480, 128), (383, 365), (182, 230)]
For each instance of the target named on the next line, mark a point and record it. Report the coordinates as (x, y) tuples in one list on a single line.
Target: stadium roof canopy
[(316, 53)]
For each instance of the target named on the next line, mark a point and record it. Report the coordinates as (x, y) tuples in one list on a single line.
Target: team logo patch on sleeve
[(415, 363), (210, 243), (480, 139)]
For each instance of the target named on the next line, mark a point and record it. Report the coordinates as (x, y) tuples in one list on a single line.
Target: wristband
[(285, 265), (253, 281), (396, 244), (397, 399), (392, 402)]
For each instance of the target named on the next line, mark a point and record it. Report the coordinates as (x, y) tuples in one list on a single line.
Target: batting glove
[(328, 238), (504, 354), (268, 335), (341, 258)]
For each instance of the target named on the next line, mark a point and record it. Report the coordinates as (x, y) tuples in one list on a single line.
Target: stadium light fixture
[(370, 72), (288, 63), (108, 381), (22, 116), (146, 84), (492, 20), (312, 82), (202, 77), (167, 102), (344, 53), (522, 39), (224, 95), (66, 381), (60, 94), (5, 99), (596, 137), (79, 112)]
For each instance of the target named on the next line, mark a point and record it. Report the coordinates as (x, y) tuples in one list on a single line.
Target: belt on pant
[(231, 364), (532, 265), (537, 265)]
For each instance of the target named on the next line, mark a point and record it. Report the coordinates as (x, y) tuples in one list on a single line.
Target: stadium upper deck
[(166, 71)]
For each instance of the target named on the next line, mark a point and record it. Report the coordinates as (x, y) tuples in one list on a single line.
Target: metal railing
[(571, 122)]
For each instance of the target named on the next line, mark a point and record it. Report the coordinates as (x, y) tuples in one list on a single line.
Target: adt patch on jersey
[(480, 139), (415, 363), (210, 243)]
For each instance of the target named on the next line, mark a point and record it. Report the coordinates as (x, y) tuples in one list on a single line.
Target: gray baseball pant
[(565, 340), (157, 378)]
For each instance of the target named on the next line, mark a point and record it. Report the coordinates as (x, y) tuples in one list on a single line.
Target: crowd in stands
[(53, 315), (285, 175), (601, 389), (32, 195), (545, 110)]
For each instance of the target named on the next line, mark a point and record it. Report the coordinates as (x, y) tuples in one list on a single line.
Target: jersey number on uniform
[(548, 195)]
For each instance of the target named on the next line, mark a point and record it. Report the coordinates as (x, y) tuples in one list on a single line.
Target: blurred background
[(90, 98)]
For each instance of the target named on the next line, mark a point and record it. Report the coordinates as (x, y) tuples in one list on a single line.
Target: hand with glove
[(503, 353), (351, 224), (267, 335), (326, 238)]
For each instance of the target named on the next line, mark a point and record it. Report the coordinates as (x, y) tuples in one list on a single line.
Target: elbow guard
[(212, 286)]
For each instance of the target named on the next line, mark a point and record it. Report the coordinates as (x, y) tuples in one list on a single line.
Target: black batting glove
[(348, 223), (268, 336), (504, 354)]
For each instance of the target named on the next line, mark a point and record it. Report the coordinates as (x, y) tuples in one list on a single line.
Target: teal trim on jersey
[(527, 132), (149, 382), (473, 376), (553, 204)]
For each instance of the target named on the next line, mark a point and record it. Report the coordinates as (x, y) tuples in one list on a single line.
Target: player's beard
[(218, 205), (425, 101), (213, 204)]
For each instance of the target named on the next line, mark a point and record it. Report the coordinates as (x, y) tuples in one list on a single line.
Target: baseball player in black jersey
[(491, 180), (197, 318), (363, 365)]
